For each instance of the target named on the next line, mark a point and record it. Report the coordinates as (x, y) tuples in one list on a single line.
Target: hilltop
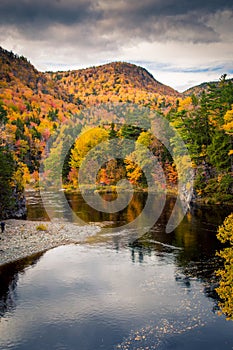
[(114, 82), (118, 78), (203, 87), (17, 72)]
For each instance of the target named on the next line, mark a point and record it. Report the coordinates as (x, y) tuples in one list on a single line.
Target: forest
[(53, 118)]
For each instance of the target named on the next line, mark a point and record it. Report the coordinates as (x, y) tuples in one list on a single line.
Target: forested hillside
[(42, 113), (203, 87), (206, 125), (114, 82)]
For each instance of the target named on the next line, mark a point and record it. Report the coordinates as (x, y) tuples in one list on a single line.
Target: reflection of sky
[(79, 294)]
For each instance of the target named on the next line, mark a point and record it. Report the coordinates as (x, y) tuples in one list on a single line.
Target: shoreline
[(22, 238)]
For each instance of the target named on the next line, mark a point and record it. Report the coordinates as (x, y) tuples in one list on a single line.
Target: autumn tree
[(88, 139), (225, 289)]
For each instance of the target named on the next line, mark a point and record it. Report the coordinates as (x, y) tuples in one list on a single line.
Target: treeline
[(106, 154), (114, 82)]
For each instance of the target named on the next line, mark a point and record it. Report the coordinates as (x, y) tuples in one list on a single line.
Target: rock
[(21, 238), (19, 210)]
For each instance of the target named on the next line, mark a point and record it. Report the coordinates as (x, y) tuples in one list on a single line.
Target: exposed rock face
[(18, 210)]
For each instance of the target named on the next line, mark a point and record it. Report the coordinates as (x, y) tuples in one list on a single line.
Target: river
[(118, 290)]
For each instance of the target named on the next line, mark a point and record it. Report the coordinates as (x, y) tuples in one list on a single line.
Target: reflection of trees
[(9, 275), (225, 289), (7, 291), (192, 246), (137, 253), (35, 208), (89, 214), (188, 267)]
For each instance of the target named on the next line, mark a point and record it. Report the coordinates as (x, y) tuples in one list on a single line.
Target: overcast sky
[(182, 43)]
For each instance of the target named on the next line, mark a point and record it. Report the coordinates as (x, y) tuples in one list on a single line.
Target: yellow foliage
[(228, 119), (225, 232), (134, 171), (185, 104), (144, 139), (87, 140), (225, 289), (21, 175), (41, 227)]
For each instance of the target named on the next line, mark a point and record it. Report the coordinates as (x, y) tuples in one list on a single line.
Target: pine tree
[(7, 166)]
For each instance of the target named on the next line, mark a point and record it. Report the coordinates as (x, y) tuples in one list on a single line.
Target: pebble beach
[(23, 238)]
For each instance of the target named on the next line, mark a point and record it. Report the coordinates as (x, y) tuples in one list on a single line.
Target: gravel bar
[(23, 238)]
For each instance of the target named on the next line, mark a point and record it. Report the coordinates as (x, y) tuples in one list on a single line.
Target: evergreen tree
[(218, 151), (7, 166)]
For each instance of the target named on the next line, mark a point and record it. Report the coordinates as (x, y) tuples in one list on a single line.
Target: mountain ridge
[(109, 83), (132, 75), (203, 87)]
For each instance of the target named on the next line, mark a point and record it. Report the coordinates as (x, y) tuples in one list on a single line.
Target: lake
[(118, 289)]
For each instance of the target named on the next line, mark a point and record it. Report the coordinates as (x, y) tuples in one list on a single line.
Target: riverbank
[(23, 238)]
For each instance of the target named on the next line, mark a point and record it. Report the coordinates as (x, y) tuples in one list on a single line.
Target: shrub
[(41, 227)]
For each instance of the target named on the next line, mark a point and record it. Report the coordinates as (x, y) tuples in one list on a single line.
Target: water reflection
[(9, 276), (90, 297), (192, 245), (156, 291)]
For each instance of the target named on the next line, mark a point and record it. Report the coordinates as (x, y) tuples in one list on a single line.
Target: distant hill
[(113, 82), (16, 69), (203, 87), (16, 72), (117, 78)]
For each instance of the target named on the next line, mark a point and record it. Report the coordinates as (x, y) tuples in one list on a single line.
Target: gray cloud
[(42, 12), (118, 20), (69, 34)]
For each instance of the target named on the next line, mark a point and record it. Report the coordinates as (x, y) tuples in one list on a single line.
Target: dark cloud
[(149, 8), (115, 20), (165, 19), (43, 12)]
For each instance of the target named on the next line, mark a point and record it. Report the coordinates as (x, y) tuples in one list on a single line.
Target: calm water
[(114, 292)]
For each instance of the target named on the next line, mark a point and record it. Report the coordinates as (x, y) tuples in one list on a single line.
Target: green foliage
[(53, 114), (113, 133), (53, 165), (220, 99), (217, 151), (7, 186), (130, 131), (200, 121), (3, 114), (215, 190)]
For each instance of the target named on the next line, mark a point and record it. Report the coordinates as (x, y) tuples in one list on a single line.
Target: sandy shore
[(23, 238)]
